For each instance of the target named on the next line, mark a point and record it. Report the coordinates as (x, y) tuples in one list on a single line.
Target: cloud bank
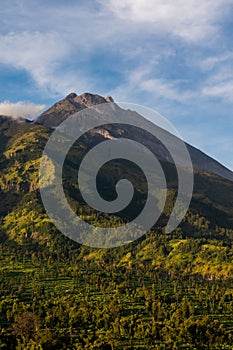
[(192, 20), (20, 109)]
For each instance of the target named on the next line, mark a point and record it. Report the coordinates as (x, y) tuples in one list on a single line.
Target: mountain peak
[(87, 99), (71, 104), (71, 96)]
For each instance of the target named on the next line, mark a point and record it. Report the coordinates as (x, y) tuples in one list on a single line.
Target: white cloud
[(157, 87), (54, 44), (213, 61), (20, 109), (192, 20), (222, 90), (219, 84), (166, 89), (37, 53)]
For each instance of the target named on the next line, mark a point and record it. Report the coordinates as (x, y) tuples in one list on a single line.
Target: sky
[(175, 57)]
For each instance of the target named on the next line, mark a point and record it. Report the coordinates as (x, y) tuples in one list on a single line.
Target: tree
[(26, 325)]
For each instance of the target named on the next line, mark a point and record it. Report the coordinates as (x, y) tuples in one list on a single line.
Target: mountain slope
[(72, 104), (22, 145)]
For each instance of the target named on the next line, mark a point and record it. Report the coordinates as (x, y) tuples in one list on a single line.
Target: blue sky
[(173, 56)]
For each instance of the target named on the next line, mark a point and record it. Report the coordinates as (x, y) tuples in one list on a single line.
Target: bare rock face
[(71, 96), (89, 100), (109, 99), (71, 104)]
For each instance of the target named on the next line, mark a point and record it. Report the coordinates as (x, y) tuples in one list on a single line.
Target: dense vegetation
[(160, 292)]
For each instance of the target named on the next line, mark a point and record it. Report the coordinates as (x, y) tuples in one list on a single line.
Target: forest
[(161, 292)]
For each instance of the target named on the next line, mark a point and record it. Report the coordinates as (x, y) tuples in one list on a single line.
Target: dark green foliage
[(111, 299), (161, 292)]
